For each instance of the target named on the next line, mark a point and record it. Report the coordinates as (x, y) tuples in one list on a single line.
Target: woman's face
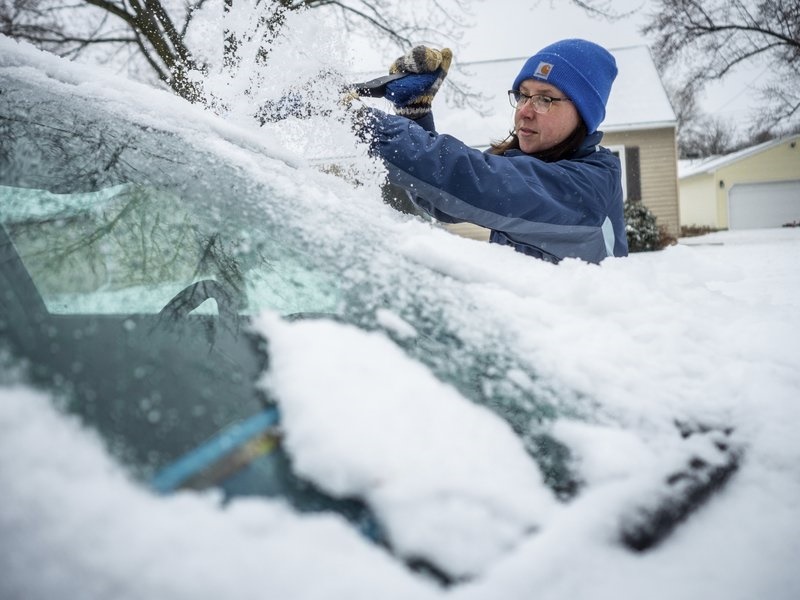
[(537, 132)]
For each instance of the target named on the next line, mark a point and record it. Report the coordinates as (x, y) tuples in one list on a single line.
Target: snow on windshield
[(436, 467)]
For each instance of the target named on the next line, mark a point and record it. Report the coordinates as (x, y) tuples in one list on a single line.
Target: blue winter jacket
[(567, 208)]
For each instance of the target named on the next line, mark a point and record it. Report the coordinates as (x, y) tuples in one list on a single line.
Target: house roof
[(638, 99), (714, 163)]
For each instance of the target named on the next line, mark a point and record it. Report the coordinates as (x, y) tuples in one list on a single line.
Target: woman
[(549, 190)]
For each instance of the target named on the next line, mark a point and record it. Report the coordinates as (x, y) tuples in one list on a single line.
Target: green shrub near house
[(644, 233)]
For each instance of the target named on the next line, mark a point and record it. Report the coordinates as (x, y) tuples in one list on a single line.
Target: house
[(640, 127), (752, 188)]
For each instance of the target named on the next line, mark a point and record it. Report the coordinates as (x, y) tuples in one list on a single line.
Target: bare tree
[(698, 133), (156, 32), (707, 136), (700, 41)]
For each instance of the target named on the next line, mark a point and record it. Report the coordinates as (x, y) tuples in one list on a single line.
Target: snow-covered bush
[(644, 234)]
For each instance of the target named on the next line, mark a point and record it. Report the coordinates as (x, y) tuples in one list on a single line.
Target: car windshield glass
[(113, 217), (114, 235), (123, 218)]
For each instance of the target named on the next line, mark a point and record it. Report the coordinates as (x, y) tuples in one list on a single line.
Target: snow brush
[(398, 88)]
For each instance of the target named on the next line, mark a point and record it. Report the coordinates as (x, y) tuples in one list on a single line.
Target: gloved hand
[(413, 94)]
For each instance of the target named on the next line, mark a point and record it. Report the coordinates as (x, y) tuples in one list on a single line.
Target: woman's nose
[(526, 110)]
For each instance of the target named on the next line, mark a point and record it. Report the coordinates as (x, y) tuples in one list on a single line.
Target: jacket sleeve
[(457, 183)]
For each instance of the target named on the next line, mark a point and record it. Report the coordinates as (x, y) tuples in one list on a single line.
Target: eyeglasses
[(541, 104)]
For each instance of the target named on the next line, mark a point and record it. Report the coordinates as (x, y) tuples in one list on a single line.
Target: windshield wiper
[(218, 458)]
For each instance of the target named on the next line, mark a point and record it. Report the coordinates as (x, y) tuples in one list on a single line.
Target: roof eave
[(638, 126)]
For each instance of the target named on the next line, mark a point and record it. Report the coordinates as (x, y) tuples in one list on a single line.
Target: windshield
[(114, 218)]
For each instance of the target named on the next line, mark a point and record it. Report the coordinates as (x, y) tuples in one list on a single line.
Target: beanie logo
[(543, 70)]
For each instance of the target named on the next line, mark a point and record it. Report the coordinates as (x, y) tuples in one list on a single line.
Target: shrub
[(695, 230), (644, 234), (665, 238)]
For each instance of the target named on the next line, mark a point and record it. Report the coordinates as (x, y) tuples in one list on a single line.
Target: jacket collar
[(589, 145)]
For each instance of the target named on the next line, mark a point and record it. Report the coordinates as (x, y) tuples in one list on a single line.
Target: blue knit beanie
[(582, 70)]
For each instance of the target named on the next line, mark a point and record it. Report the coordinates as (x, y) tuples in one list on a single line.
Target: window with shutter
[(632, 174)]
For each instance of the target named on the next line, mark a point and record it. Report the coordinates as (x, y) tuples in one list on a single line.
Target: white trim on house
[(638, 126), (619, 150)]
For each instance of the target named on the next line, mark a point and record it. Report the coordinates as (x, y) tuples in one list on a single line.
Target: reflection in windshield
[(84, 249), (118, 224)]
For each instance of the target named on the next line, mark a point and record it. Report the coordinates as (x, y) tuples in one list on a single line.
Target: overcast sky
[(511, 28)]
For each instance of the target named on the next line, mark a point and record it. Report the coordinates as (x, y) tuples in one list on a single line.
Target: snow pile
[(72, 525), (450, 481)]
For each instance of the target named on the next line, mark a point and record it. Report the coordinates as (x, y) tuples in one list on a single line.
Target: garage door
[(753, 205)]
